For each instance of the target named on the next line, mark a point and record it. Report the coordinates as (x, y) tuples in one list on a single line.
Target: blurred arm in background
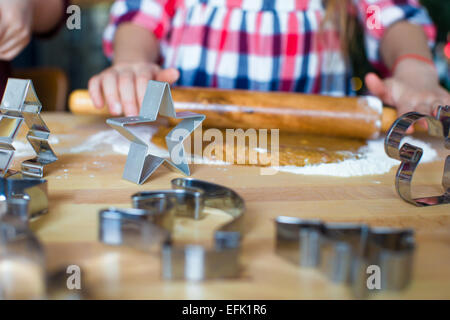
[(20, 19), (414, 84), (398, 37)]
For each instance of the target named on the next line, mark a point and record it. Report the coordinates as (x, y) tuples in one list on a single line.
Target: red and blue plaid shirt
[(263, 45)]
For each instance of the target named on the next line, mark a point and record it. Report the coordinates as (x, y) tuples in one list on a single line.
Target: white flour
[(24, 149), (115, 142), (372, 160), (118, 144)]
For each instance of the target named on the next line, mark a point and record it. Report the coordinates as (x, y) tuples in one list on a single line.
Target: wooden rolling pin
[(362, 117)]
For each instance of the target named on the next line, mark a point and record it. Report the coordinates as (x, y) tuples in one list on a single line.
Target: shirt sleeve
[(153, 15), (376, 16)]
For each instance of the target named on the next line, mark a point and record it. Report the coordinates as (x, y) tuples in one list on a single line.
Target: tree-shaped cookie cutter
[(20, 103), (410, 155), (151, 221)]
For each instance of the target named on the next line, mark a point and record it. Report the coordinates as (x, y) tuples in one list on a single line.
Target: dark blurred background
[(79, 52)]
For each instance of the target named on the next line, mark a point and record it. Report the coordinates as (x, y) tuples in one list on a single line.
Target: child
[(19, 19), (286, 45)]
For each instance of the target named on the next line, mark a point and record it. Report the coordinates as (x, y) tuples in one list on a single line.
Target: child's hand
[(123, 86), (413, 87), (15, 27)]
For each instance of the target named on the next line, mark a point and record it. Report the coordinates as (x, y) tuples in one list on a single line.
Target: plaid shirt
[(260, 44)]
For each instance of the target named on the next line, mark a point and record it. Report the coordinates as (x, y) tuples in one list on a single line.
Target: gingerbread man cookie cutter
[(410, 155)]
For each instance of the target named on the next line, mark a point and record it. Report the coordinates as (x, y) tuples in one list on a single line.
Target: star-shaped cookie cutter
[(410, 155), (157, 101), (20, 103)]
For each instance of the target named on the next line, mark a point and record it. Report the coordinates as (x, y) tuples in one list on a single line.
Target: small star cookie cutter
[(157, 101), (410, 155), (20, 103), (151, 221), (344, 251)]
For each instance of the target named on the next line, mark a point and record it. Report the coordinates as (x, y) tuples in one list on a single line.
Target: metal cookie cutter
[(151, 221), (157, 101), (23, 197), (23, 272), (22, 261), (392, 250), (19, 103), (344, 251), (410, 155)]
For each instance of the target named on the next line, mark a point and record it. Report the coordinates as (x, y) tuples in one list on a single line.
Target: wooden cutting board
[(82, 183)]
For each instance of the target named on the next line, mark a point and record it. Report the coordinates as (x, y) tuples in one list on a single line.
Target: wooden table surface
[(81, 184)]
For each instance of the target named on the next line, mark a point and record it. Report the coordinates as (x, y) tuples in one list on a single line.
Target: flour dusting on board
[(24, 149), (120, 145), (371, 160)]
